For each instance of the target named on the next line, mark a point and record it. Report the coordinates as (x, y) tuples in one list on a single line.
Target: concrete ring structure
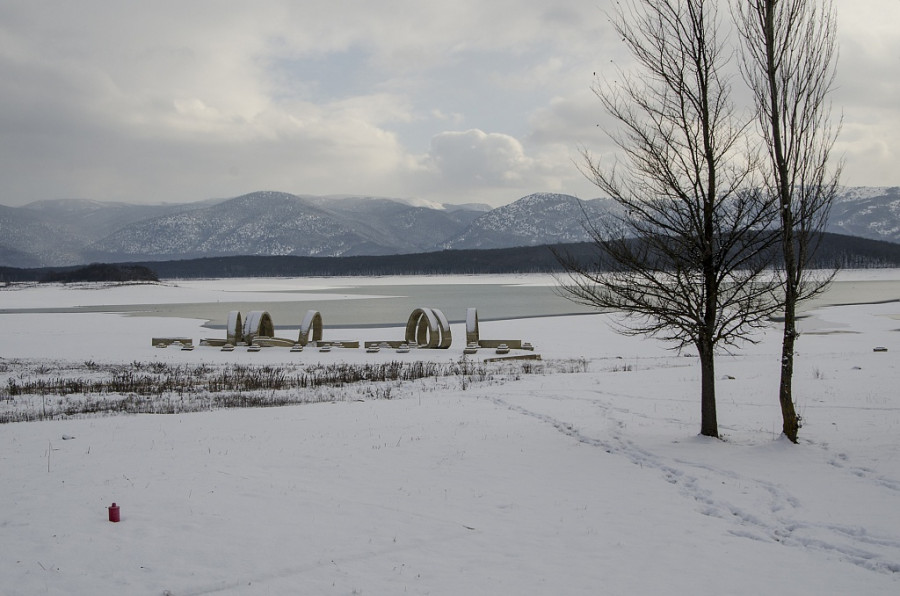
[(258, 324), (312, 321), (472, 335), (446, 336), (428, 328), (422, 328), (234, 331)]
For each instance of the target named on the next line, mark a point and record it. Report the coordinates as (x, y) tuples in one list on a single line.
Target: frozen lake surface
[(362, 302)]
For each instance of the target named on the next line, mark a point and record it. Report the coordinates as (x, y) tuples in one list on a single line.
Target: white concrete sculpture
[(312, 321), (428, 328), (258, 324), (234, 331), (471, 326)]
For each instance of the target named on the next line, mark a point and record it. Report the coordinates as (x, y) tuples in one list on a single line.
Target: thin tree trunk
[(709, 425), (785, 194), (789, 63), (790, 420)]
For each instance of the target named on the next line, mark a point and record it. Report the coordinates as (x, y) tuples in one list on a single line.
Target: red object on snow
[(114, 513)]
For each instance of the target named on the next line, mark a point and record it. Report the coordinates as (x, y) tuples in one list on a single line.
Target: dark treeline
[(531, 259), (119, 272), (102, 272), (835, 251)]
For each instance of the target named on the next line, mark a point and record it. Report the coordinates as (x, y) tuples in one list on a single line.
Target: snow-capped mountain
[(27, 239), (540, 218), (867, 212), (91, 220), (260, 223), (398, 226), (69, 232)]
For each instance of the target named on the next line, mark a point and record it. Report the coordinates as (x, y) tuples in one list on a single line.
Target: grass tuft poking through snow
[(40, 390)]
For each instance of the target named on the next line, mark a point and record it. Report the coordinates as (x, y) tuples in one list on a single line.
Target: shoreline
[(371, 302)]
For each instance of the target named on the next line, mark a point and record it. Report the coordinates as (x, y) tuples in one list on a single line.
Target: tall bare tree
[(684, 257), (789, 61)]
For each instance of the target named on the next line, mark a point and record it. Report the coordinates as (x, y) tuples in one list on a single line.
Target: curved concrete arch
[(428, 328), (472, 335), (234, 330), (422, 328), (312, 321), (258, 323), (446, 336)]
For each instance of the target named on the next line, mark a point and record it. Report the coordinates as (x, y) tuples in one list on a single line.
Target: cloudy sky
[(463, 101)]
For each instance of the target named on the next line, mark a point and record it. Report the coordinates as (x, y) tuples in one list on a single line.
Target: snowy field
[(586, 476)]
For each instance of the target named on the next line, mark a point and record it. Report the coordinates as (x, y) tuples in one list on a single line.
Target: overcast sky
[(464, 101)]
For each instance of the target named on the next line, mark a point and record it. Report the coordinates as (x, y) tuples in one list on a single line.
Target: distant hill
[(268, 223), (540, 218), (71, 232), (76, 232), (867, 212), (29, 240)]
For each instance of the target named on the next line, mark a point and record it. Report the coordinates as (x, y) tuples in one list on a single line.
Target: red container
[(114, 513)]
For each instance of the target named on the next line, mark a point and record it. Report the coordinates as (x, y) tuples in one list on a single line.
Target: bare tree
[(684, 257), (789, 63)]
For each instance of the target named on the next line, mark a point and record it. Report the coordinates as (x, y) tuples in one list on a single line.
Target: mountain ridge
[(78, 231)]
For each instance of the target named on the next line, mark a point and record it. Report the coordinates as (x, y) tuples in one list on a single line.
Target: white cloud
[(475, 166), (867, 92), (180, 101), (475, 158)]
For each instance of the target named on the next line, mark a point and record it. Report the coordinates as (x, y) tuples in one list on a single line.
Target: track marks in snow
[(711, 487), (841, 461)]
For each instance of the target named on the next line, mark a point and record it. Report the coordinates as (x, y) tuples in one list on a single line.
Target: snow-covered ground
[(580, 482)]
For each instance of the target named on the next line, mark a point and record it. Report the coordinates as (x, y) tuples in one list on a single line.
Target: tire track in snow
[(855, 545)]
